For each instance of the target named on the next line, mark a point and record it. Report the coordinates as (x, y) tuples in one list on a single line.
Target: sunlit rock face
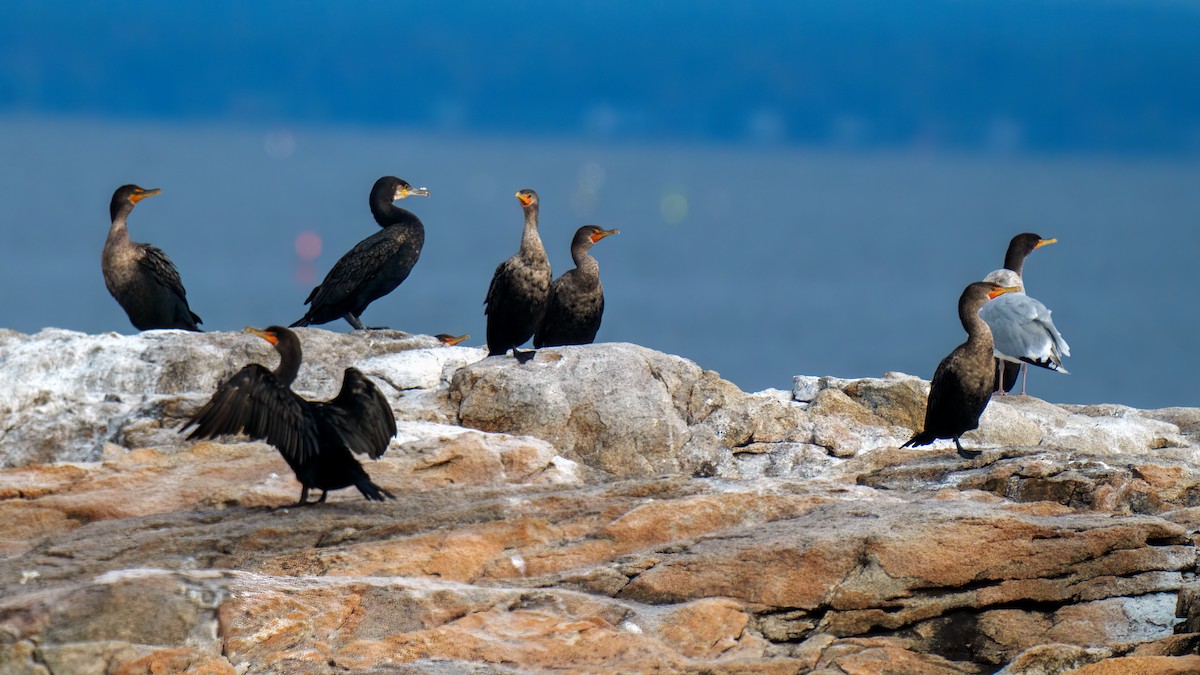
[(602, 508)]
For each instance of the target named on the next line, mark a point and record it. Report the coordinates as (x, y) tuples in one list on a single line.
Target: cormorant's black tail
[(302, 321), (922, 438), (372, 491)]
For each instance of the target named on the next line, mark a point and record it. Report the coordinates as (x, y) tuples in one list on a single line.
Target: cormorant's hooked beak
[(525, 198), (414, 192), (1001, 290), (139, 196), (597, 236), (1044, 242), (264, 334)]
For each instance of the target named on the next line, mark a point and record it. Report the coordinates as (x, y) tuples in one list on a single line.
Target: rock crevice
[(600, 507)]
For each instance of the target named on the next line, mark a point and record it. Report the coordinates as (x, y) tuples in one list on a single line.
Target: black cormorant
[(376, 265), (141, 277), (520, 289), (315, 438), (577, 297), (963, 382)]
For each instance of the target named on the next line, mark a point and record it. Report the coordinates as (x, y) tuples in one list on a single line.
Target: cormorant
[(1022, 329), (1019, 248), (520, 289), (315, 438), (963, 382), (577, 297), (376, 265), (451, 340), (141, 278)]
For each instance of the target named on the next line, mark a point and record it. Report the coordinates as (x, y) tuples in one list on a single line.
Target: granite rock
[(601, 508)]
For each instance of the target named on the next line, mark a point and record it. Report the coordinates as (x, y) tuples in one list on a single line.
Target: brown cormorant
[(141, 277), (315, 438), (520, 289), (376, 265), (577, 297), (963, 382), (1019, 248)]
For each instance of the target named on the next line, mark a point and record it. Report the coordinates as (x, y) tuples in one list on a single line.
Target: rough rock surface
[(605, 508)]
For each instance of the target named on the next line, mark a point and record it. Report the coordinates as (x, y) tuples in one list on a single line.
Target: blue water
[(757, 262)]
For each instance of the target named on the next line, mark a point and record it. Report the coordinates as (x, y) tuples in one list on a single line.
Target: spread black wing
[(163, 271), (255, 403), (360, 414)]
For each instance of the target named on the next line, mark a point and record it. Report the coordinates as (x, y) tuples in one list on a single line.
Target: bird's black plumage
[(1019, 248), (376, 265), (141, 278), (964, 380), (316, 439), (520, 289), (577, 297)]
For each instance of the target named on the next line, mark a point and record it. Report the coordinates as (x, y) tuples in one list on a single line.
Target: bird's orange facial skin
[(450, 340), (600, 234), (139, 196), (264, 334), (1001, 290), (524, 198), (1044, 242)]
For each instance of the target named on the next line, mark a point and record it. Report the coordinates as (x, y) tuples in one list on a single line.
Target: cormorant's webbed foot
[(304, 499), (524, 357)]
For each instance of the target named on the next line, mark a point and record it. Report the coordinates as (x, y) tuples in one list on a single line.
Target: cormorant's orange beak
[(1044, 242), (597, 236), (524, 198), (139, 196), (1001, 290), (264, 334), (450, 340)]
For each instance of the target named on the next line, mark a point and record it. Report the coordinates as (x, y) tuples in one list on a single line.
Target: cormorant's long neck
[(978, 332), (531, 242), (387, 214), (1015, 260), (119, 232), (585, 263), (289, 361)]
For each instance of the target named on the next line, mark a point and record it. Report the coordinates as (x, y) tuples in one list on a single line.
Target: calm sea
[(754, 261)]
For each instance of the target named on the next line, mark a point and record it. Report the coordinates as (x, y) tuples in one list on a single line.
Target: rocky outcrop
[(601, 508)]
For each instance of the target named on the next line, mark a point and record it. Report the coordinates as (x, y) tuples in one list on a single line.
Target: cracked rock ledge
[(604, 508)]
